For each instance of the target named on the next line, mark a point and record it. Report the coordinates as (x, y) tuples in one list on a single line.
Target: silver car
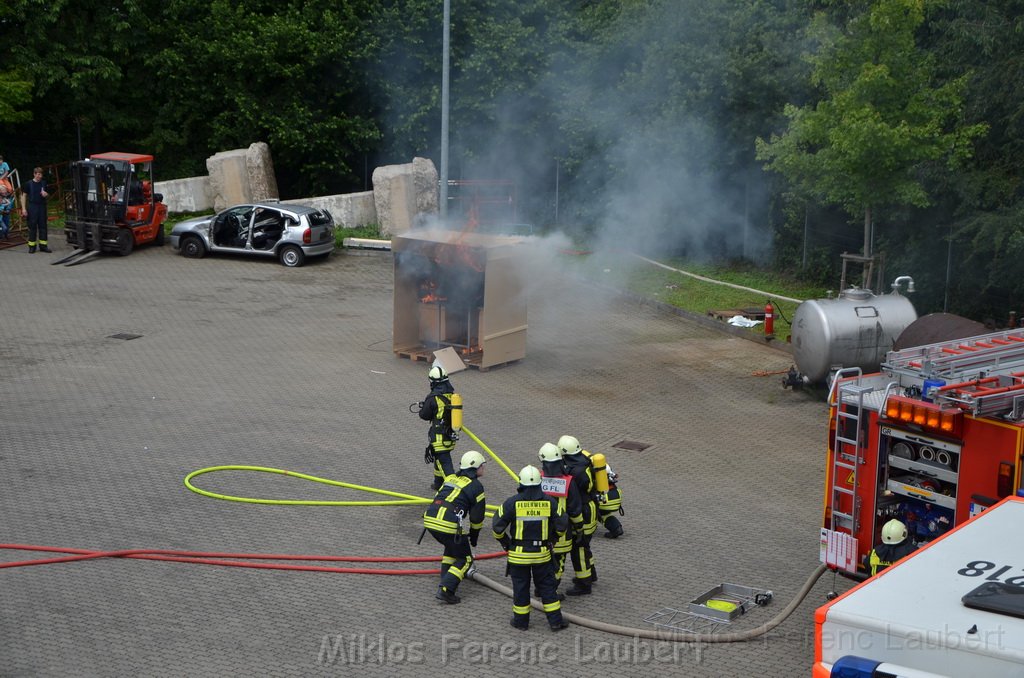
[(269, 229)]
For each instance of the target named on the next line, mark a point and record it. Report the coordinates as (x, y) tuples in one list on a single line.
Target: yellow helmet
[(893, 532), (549, 452), (569, 445), (529, 476), (472, 459)]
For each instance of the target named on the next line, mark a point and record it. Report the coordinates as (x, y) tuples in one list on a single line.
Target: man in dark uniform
[(577, 465), (527, 525), (34, 208), (895, 545), (558, 485), (436, 408), (460, 499)]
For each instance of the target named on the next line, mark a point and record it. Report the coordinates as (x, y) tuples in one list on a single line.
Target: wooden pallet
[(424, 354)]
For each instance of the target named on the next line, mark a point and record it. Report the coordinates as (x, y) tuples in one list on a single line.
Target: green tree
[(882, 117)]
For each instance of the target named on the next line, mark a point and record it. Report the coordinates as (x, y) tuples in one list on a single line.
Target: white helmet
[(472, 459), (529, 476), (437, 373), (893, 532), (569, 445), (549, 452)]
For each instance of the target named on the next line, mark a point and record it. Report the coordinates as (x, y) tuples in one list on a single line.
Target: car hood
[(191, 224)]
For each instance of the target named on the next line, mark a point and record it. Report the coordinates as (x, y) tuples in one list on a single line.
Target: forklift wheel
[(125, 242)]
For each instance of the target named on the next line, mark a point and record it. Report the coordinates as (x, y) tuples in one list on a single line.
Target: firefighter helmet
[(529, 476), (437, 373), (569, 445), (893, 532), (472, 459), (549, 452)]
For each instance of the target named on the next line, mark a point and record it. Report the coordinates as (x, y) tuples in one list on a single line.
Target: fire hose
[(244, 559)]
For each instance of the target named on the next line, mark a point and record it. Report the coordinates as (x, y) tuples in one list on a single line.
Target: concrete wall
[(405, 192), (187, 195), (349, 210)]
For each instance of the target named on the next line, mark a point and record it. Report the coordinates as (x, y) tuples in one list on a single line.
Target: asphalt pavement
[(121, 376)]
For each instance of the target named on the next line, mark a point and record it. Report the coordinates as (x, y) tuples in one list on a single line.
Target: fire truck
[(932, 439)]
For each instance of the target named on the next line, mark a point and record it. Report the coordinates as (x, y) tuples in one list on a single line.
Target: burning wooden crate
[(460, 290)]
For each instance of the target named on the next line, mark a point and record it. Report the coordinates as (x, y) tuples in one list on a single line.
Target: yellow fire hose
[(496, 458)]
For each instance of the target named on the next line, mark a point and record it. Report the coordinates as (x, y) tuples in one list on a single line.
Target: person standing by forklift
[(443, 409), (460, 499), (34, 208), (526, 525), (577, 465)]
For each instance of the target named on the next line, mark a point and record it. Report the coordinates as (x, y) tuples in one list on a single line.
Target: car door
[(232, 229)]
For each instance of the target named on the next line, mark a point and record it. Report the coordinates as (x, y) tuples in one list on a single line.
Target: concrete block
[(186, 195), (404, 194), (260, 166), (229, 178)]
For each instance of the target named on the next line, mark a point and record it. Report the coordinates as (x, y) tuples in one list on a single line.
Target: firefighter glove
[(474, 534), (505, 541), (428, 455)]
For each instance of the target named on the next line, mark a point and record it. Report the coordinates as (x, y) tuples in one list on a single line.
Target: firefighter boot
[(446, 596), (559, 625), (593, 577), (44, 248), (580, 588), (614, 528), (521, 624)]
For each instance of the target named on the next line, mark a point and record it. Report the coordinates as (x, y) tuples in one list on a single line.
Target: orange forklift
[(111, 206)]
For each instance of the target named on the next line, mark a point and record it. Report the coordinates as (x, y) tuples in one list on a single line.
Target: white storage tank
[(856, 329)]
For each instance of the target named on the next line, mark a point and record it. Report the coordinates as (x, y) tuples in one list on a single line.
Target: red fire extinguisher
[(769, 319)]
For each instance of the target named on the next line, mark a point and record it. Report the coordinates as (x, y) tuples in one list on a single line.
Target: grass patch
[(696, 296)]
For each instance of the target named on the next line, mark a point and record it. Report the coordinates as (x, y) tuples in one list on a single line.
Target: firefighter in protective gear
[(526, 525), (460, 500), (609, 502), (895, 545), (437, 409), (611, 505), (558, 485), (577, 464)]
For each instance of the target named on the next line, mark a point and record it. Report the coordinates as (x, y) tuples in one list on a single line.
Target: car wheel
[(291, 256), (125, 242), (192, 247)]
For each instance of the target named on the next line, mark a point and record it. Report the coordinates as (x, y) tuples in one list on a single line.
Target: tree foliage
[(881, 117)]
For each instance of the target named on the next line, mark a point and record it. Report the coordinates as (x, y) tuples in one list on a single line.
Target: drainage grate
[(124, 335), (631, 445)]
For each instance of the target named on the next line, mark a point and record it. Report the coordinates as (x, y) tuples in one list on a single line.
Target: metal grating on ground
[(630, 445), (124, 335), (676, 620)]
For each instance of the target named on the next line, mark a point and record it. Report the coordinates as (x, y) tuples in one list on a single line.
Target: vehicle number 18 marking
[(977, 568)]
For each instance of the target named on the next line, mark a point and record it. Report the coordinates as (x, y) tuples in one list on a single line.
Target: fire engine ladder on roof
[(961, 359), (847, 446)]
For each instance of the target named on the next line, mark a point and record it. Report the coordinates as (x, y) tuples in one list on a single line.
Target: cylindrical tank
[(856, 329)]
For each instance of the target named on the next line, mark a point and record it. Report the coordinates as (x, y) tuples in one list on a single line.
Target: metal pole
[(556, 190), (444, 109), (949, 269)]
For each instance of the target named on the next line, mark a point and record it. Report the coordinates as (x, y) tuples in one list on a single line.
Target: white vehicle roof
[(911, 613)]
